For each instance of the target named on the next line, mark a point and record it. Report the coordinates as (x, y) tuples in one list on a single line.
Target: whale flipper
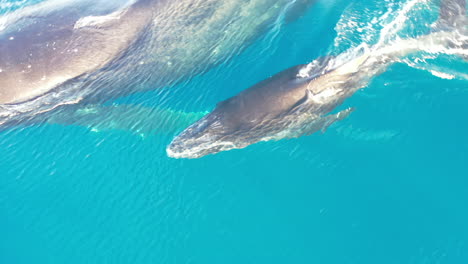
[(316, 124), (320, 123), (326, 121), (137, 120)]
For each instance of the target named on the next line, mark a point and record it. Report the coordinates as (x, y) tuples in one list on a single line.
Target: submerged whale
[(298, 101), (92, 51)]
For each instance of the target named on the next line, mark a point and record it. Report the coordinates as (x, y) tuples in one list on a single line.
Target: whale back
[(63, 45), (151, 44)]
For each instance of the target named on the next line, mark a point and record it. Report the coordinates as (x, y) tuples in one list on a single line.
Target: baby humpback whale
[(51, 58), (298, 101)]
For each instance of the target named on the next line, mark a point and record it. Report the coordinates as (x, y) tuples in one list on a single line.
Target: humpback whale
[(298, 101), (82, 52)]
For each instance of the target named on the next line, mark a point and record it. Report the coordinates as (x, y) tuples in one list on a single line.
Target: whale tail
[(452, 14)]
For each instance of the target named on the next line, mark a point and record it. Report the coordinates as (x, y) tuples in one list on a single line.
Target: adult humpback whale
[(298, 101), (86, 52)]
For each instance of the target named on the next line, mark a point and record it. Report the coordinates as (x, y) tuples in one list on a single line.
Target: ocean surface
[(387, 185)]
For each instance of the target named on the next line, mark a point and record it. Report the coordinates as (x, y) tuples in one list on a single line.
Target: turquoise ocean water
[(388, 185)]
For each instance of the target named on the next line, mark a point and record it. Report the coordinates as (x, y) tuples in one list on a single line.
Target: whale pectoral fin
[(137, 120), (328, 120)]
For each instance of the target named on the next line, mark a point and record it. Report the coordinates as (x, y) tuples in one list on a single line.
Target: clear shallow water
[(386, 185)]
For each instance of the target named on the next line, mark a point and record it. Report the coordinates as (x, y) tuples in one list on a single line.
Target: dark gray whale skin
[(291, 104), (284, 105), (72, 56), (53, 50)]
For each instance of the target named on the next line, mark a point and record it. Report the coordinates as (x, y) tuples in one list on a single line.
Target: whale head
[(209, 135)]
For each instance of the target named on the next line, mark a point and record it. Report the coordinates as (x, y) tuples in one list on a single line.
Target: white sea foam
[(382, 38), (442, 75), (397, 24)]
